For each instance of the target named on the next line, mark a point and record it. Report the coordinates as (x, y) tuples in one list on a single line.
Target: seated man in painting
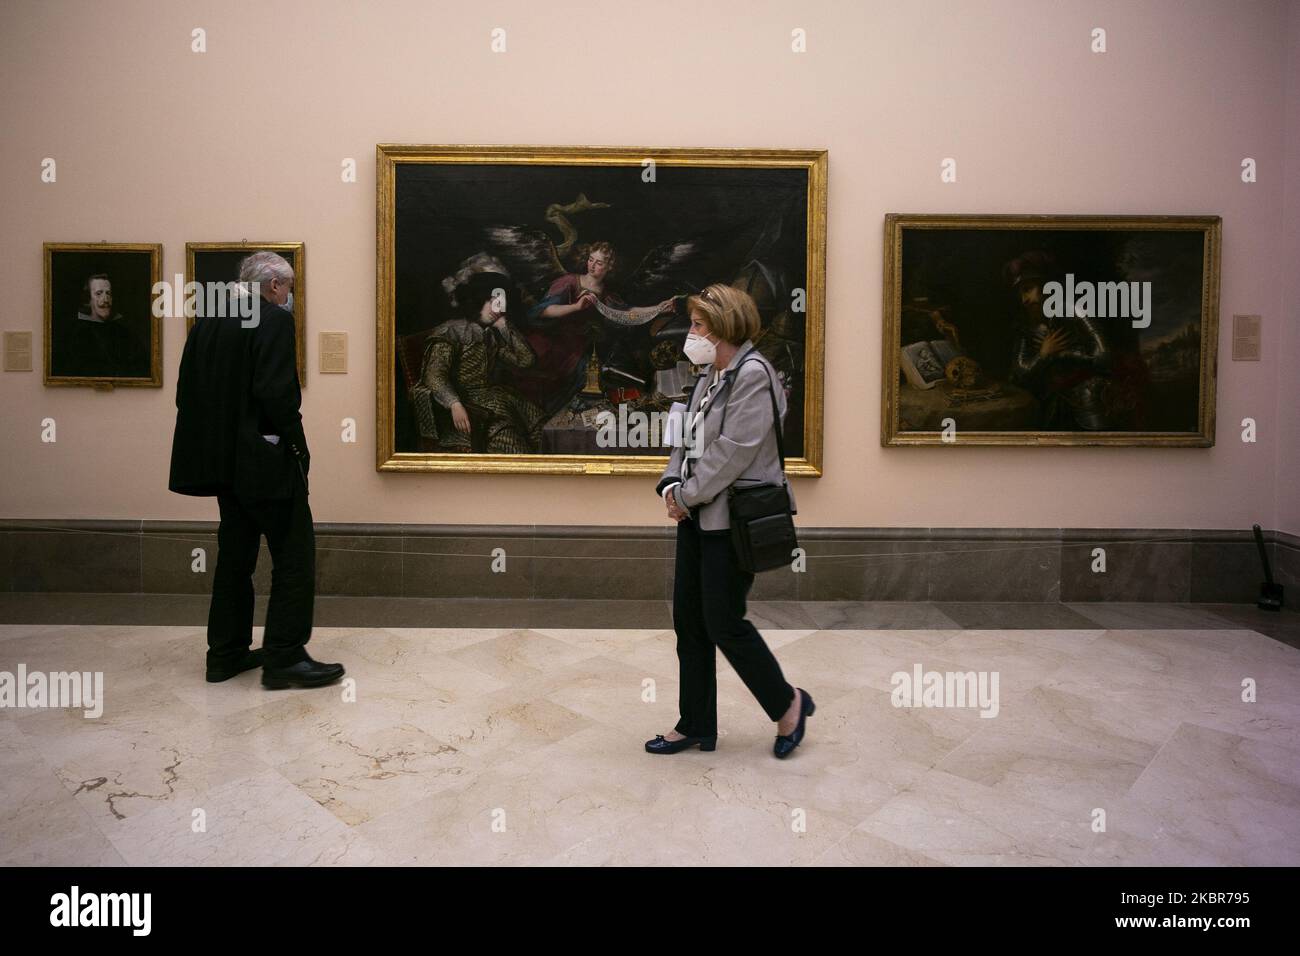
[(467, 366)]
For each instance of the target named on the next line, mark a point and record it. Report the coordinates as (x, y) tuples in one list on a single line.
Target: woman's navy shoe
[(661, 745), (785, 744)]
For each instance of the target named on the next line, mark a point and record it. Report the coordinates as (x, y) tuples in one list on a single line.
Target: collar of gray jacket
[(742, 350)]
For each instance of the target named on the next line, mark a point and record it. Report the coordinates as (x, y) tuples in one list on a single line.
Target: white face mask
[(288, 303), (700, 350)]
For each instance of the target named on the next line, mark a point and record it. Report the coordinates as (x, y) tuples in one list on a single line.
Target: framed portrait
[(529, 298), (100, 329), (215, 265), (1050, 330)]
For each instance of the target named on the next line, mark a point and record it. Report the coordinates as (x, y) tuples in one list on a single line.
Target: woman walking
[(709, 586)]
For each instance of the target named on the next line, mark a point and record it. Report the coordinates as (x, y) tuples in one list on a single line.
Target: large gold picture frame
[(392, 159), (960, 279), (230, 252), (133, 269)]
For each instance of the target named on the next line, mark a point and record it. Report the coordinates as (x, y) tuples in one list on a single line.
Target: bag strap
[(776, 412)]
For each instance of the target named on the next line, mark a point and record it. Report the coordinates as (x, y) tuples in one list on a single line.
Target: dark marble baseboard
[(191, 610), (544, 562)]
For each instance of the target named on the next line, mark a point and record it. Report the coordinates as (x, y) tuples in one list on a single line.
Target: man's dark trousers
[(287, 525)]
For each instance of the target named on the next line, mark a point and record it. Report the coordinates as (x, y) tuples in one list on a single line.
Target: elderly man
[(239, 437)]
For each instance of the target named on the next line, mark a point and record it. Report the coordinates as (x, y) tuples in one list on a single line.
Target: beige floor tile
[(963, 823), (1235, 797), (361, 776), (259, 821)]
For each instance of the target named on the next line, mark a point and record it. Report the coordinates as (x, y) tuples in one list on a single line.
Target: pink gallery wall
[(157, 143)]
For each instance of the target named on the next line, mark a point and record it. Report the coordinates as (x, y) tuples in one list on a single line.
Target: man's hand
[(460, 418), (1054, 341)]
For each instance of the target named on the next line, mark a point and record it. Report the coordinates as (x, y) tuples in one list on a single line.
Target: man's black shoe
[(250, 660), (305, 673)]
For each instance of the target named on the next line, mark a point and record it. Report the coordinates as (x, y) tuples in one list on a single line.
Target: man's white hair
[(264, 266)]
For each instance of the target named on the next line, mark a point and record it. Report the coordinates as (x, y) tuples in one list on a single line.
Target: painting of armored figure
[(1050, 330)]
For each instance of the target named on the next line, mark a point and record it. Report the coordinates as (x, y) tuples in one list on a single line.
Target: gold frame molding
[(299, 250), (387, 158), (895, 223), (105, 382)]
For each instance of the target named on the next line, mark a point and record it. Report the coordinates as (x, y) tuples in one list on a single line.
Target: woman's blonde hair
[(729, 313)]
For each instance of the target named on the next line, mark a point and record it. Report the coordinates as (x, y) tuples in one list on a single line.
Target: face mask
[(700, 350), (288, 303)]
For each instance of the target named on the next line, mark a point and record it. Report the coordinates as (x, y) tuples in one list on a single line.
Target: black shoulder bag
[(762, 523)]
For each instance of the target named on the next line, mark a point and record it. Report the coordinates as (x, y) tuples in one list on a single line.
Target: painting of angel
[(529, 297)]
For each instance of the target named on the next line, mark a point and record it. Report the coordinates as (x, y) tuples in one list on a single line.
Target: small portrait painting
[(100, 327)]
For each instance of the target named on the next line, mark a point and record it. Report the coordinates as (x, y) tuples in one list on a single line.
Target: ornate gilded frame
[(106, 382), (299, 251), (895, 223), (389, 156)]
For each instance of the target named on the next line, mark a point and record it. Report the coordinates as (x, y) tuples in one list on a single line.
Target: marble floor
[(1122, 741)]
